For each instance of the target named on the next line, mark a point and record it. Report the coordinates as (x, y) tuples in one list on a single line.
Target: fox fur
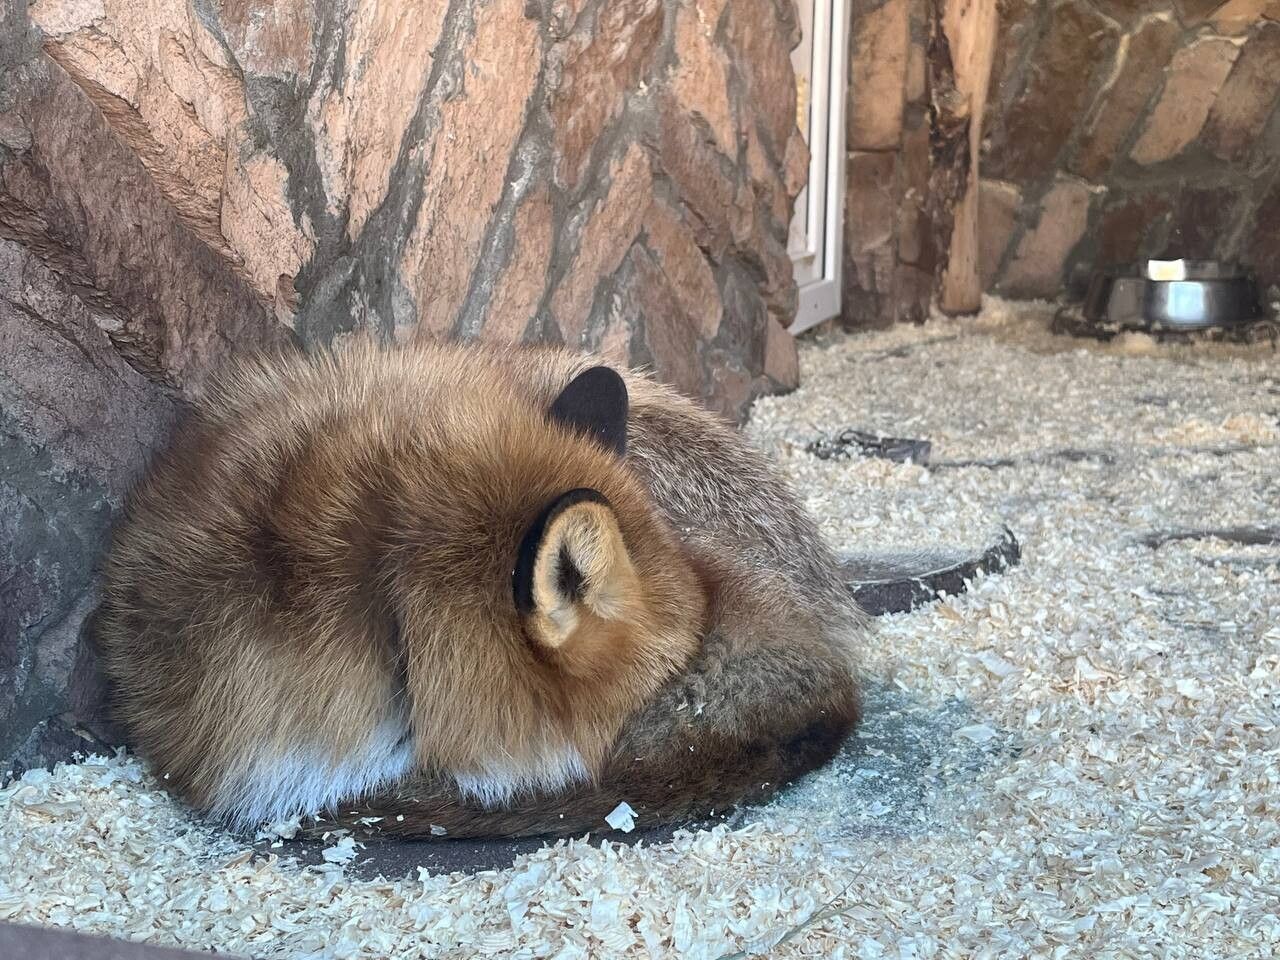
[(308, 607)]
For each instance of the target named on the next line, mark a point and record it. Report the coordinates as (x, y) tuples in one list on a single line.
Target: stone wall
[(184, 179), (1118, 130), (1111, 131), (890, 256)]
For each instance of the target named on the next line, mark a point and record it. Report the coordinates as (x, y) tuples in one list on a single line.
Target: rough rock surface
[(878, 55), (1164, 117), (1195, 77), (1036, 269), (1168, 112), (182, 180), (1139, 70), (1033, 127), (999, 204)]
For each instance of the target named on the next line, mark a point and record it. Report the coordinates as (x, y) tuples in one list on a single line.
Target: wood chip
[(1076, 758)]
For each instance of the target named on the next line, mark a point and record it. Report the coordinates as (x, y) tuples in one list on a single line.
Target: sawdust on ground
[(1077, 758)]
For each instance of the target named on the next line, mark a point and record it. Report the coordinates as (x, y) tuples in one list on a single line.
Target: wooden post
[(961, 53)]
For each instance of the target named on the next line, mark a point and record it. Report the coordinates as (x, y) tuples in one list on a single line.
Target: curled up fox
[(494, 590)]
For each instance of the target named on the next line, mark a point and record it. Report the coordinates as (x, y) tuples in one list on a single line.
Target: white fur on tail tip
[(307, 780), (498, 783)]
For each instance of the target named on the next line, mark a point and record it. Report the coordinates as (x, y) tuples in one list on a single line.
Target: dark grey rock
[(39, 943), (76, 424)]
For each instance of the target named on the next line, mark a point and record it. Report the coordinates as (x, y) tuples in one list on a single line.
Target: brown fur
[(328, 547), (769, 698), (772, 692), (381, 499)]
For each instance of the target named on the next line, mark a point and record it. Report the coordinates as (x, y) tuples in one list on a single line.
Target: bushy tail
[(683, 786), (771, 695)]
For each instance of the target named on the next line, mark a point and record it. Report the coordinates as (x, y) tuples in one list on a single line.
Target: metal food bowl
[(1173, 295)]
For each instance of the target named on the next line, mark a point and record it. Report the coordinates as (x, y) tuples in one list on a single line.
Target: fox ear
[(595, 404), (573, 570)]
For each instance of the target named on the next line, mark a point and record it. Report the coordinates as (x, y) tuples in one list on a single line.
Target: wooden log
[(960, 56)]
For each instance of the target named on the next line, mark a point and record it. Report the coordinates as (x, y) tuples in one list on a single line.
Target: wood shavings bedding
[(1077, 758)]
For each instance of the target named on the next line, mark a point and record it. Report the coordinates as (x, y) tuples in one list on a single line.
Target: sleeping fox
[(489, 589)]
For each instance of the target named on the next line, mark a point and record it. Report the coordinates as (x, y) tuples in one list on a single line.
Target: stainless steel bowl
[(1173, 295)]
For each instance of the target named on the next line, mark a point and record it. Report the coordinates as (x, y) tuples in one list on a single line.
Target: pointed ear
[(573, 570), (595, 404)]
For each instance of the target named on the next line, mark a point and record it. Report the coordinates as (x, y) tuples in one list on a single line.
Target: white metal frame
[(817, 227)]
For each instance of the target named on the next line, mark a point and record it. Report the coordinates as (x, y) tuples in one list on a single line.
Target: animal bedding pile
[(1078, 757)]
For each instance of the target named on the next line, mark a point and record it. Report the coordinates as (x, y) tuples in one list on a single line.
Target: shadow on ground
[(888, 778), (885, 781)]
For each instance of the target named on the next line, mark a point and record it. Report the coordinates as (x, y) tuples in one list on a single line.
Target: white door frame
[(816, 238)]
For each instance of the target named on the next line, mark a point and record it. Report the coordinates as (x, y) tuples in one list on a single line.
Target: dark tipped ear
[(534, 542), (595, 404), (573, 570)]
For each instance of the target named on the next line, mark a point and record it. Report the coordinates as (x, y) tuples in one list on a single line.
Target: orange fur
[(324, 557), (772, 691)]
